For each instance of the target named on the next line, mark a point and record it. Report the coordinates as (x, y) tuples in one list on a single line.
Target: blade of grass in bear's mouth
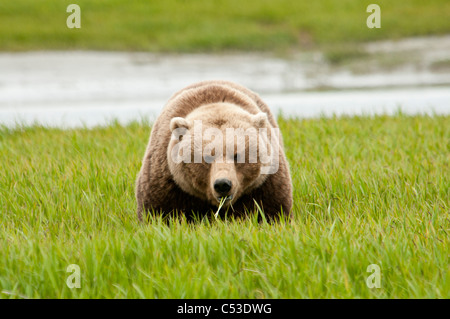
[(222, 201), (226, 198)]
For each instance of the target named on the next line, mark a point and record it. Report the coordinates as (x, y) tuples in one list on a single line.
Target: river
[(85, 88)]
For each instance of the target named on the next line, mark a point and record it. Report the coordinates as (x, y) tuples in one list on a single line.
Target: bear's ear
[(260, 120), (178, 122)]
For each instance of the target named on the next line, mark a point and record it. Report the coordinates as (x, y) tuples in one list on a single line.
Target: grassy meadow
[(202, 25), (367, 190)]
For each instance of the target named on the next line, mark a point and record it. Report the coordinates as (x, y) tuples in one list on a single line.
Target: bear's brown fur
[(164, 186)]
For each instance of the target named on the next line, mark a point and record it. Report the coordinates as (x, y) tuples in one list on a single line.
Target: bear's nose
[(222, 186)]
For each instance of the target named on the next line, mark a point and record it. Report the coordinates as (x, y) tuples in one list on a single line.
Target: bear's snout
[(222, 186)]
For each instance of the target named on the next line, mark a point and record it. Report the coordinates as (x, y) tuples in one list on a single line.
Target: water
[(71, 89)]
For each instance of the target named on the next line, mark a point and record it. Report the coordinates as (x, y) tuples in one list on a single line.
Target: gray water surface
[(71, 89)]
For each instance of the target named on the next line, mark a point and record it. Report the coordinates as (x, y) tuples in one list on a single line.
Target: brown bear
[(216, 143)]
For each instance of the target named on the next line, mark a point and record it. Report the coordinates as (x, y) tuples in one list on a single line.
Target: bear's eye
[(209, 159)]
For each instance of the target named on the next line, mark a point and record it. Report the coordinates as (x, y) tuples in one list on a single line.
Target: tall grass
[(367, 190)]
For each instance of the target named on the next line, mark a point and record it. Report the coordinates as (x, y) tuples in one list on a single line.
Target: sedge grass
[(367, 190)]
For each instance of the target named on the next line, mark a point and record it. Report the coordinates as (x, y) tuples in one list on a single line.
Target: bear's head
[(219, 151)]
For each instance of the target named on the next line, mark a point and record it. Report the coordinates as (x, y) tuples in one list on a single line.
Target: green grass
[(203, 25), (367, 190)]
